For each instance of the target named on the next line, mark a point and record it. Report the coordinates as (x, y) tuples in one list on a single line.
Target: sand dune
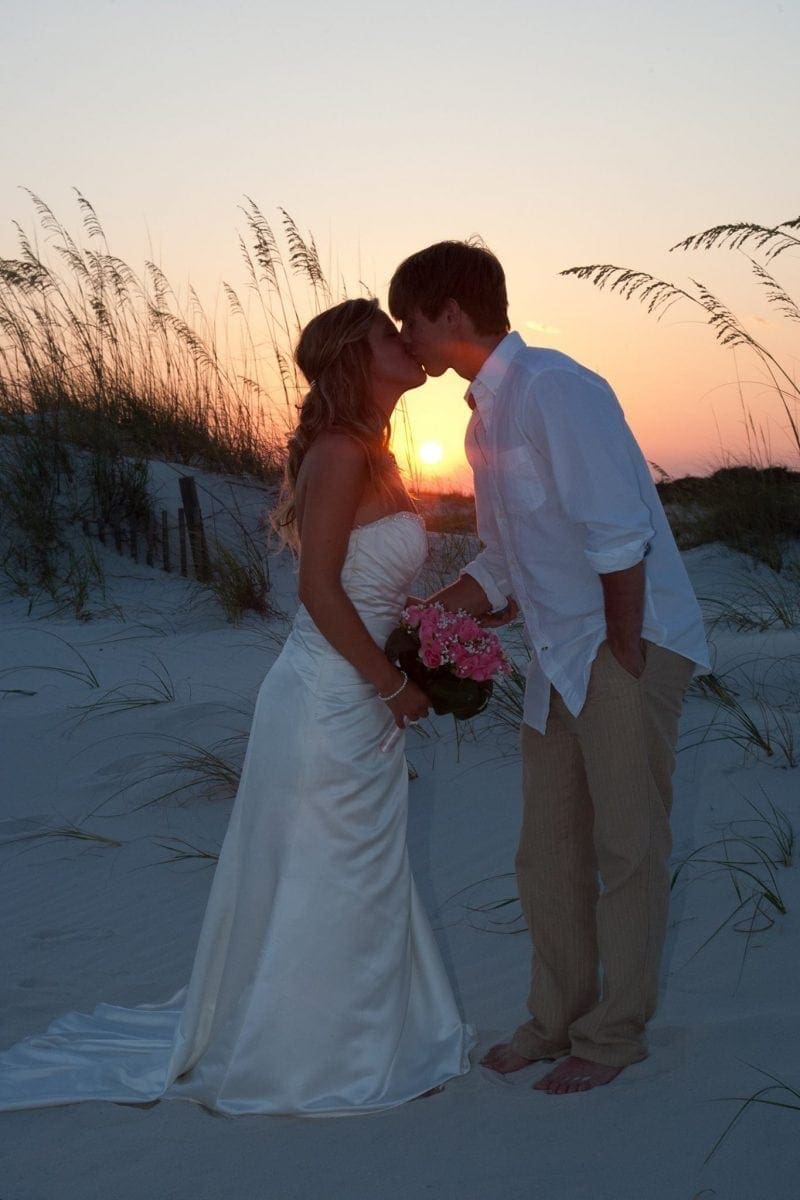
[(88, 921)]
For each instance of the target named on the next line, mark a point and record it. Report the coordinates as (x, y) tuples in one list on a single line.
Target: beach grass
[(192, 770), (767, 600), (759, 246), (766, 1095), (754, 709), (239, 579), (181, 850), (159, 688), (70, 831), (751, 506), (104, 368), (111, 360), (448, 553), (83, 671), (99, 357)]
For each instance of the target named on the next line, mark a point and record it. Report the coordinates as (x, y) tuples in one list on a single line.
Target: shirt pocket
[(518, 480)]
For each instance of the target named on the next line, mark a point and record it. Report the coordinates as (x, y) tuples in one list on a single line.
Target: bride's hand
[(409, 706)]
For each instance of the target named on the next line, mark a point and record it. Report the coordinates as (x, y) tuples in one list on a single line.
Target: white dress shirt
[(564, 495)]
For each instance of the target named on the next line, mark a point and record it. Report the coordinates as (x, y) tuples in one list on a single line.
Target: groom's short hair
[(466, 272)]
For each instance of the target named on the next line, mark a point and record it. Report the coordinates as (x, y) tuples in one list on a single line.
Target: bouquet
[(450, 656)]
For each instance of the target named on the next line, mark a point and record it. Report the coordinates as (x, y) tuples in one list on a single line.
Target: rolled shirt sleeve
[(579, 425), (485, 569)]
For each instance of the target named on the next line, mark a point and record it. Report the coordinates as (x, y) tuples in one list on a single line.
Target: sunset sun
[(431, 453)]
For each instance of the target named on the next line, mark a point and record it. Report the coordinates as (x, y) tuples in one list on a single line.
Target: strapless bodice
[(383, 558)]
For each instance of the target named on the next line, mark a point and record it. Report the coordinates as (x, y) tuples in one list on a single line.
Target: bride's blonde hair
[(334, 355)]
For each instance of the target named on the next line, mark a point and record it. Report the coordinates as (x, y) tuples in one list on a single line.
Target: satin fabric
[(317, 986)]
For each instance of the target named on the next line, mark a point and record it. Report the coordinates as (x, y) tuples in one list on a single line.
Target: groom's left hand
[(629, 655)]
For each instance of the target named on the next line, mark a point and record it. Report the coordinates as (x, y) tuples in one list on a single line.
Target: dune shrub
[(754, 510), (239, 578)]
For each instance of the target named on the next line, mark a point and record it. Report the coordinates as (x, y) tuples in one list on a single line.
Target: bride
[(317, 987)]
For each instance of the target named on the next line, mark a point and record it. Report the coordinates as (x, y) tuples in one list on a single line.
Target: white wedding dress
[(317, 986)]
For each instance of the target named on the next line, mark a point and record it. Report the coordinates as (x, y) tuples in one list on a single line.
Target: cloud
[(539, 327)]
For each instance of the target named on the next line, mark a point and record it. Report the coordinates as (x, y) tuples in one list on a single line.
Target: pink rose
[(469, 629), (431, 656)]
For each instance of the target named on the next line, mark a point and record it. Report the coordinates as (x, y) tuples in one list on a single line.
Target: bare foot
[(575, 1075), (504, 1059)]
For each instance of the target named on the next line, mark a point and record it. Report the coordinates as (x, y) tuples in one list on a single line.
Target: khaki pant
[(597, 795)]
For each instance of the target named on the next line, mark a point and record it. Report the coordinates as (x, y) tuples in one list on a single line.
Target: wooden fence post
[(165, 559), (182, 541), (190, 530), (194, 522), (151, 540)]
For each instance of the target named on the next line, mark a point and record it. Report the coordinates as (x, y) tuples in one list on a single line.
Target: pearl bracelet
[(392, 695)]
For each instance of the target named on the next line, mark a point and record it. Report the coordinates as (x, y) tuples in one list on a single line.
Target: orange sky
[(684, 396), (587, 131)]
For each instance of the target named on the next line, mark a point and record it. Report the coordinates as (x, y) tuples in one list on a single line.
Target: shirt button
[(543, 648)]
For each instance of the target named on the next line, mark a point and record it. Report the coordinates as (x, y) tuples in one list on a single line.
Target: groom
[(573, 528)]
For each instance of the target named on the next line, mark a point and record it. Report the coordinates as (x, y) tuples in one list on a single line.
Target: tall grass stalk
[(159, 689), (448, 553), (488, 906), (212, 771), (768, 601), (743, 861), (84, 673), (69, 831), (777, 1086), (748, 855), (507, 704), (99, 351), (240, 579), (659, 296), (179, 850), (96, 357), (780, 831), (756, 728)]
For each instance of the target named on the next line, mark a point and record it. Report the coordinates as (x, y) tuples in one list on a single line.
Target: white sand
[(85, 923)]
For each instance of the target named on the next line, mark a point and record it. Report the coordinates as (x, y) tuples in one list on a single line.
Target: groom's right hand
[(502, 616)]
